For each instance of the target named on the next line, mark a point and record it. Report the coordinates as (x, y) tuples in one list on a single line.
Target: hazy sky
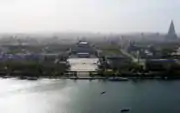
[(120, 16)]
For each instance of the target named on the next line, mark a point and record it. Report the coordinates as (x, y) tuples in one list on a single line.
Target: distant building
[(144, 51), (162, 64), (171, 36), (117, 62), (83, 49)]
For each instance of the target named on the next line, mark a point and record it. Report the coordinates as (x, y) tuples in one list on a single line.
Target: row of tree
[(13, 68)]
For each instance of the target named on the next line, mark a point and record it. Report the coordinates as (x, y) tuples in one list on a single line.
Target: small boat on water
[(6, 76), (125, 110), (28, 78), (103, 92), (31, 78), (22, 77), (118, 79)]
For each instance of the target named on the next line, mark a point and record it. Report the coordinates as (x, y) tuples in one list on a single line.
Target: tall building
[(171, 33)]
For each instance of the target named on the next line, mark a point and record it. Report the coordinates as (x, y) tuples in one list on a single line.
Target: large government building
[(83, 58), (83, 50)]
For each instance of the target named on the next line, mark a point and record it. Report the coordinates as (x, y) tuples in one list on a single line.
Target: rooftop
[(83, 42)]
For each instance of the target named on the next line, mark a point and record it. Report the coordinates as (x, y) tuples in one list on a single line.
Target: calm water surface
[(68, 96)]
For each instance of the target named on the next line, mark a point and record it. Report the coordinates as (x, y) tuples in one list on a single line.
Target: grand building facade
[(83, 50)]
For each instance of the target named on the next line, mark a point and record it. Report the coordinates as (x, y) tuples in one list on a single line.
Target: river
[(83, 96)]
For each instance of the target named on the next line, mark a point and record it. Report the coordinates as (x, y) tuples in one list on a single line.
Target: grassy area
[(111, 50)]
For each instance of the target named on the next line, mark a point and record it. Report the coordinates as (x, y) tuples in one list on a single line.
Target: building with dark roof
[(83, 49), (162, 64)]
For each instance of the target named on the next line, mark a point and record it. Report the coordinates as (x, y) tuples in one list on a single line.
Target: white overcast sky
[(119, 16)]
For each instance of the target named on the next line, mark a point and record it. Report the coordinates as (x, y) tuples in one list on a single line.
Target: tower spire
[(171, 33), (171, 28)]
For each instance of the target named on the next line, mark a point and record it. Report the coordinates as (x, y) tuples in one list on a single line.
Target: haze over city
[(89, 56), (105, 16)]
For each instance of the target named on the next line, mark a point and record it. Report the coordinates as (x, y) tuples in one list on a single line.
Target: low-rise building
[(162, 64), (117, 62)]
